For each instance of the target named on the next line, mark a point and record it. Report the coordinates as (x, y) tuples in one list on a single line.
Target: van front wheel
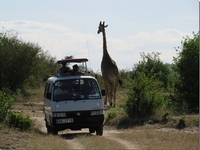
[(51, 130), (99, 130), (48, 128)]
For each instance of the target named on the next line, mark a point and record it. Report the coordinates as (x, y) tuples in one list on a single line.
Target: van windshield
[(76, 89)]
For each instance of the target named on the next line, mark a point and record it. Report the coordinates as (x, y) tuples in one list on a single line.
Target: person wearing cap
[(76, 71), (63, 70)]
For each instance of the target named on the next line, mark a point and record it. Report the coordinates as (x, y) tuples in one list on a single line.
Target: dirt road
[(74, 143)]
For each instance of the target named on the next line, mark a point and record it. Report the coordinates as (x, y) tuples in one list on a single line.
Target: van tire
[(99, 130), (92, 130), (51, 130), (48, 128), (54, 131)]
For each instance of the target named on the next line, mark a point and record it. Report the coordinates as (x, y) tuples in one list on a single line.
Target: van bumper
[(79, 122)]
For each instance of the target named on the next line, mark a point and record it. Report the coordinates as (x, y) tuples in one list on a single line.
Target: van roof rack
[(75, 60)]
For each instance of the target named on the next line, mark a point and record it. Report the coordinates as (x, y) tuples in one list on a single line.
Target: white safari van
[(73, 102)]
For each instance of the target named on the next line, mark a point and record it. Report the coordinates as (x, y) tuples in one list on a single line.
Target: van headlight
[(59, 114), (97, 112)]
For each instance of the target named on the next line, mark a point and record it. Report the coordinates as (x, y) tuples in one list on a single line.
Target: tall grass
[(150, 138), (14, 139)]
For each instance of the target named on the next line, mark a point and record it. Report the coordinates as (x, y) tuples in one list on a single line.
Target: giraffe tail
[(121, 83)]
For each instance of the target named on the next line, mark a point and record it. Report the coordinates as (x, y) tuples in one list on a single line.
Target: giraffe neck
[(105, 52)]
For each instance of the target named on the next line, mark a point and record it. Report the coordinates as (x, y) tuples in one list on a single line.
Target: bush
[(6, 101), (17, 120), (187, 83), (111, 114), (145, 96)]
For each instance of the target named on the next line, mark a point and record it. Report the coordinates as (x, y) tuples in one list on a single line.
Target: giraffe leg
[(111, 95), (114, 92), (105, 102), (110, 98), (107, 93)]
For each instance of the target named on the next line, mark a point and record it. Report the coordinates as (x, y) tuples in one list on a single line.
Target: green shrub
[(6, 101), (145, 96), (165, 118), (111, 114), (17, 120)]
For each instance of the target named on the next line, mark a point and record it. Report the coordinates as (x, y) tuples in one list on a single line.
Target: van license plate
[(68, 120)]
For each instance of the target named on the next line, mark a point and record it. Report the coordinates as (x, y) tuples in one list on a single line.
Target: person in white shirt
[(60, 89), (63, 88)]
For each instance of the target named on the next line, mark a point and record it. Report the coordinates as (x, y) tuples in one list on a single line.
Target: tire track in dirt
[(110, 135), (72, 142), (70, 137)]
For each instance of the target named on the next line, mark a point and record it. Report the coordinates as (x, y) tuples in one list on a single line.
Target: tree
[(23, 64), (152, 66), (187, 67)]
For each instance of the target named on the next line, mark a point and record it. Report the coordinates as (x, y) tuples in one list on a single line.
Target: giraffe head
[(102, 27)]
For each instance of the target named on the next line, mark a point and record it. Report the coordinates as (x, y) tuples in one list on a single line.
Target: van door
[(47, 100)]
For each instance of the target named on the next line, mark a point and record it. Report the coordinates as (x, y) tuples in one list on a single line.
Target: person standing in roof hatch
[(63, 70), (75, 71)]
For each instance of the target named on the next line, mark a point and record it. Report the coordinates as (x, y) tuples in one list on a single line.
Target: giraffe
[(109, 69)]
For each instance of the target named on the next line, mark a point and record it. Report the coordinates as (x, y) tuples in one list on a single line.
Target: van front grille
[(78, 114)]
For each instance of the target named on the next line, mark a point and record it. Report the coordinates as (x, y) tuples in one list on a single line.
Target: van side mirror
[(103, 92), (48, 95)]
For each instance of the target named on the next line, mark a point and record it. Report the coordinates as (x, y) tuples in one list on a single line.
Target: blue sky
[(66, 27)]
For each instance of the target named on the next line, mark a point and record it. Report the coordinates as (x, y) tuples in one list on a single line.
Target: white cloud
[(61, 41)]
